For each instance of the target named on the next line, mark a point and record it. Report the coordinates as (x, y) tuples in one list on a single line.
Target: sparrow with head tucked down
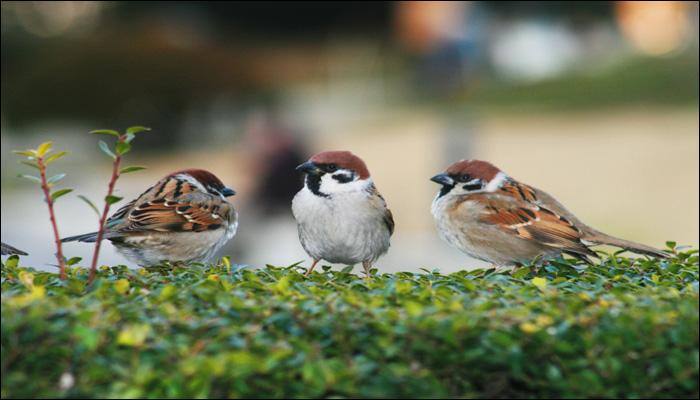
[(340, 215), (490, 216), (7, 250), (185, 217)]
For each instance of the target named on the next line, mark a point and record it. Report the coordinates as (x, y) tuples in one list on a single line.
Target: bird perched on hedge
[(7, 250), (185, 217), (340, 215), (490, 216)]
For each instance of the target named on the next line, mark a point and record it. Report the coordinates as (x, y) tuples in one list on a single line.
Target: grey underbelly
[(344, 243)]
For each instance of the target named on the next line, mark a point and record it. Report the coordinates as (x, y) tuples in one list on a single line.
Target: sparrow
[(184, 217), (341, 217), (7, 250), (490, 216)]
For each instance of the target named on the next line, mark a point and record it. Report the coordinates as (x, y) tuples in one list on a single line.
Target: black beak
[(308, 168), (443, 179), (227, 192)]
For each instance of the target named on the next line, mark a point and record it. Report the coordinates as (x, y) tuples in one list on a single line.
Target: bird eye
[(464, 178), (331, 167)]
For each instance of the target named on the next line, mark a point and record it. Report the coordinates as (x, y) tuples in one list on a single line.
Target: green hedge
[(624, 328)]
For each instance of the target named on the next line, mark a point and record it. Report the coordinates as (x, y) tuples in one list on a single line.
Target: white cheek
[(491, 187), (496, 182), (458, 191), (330, 185)]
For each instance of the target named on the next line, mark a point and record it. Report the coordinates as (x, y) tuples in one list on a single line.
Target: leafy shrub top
[(623, 328)]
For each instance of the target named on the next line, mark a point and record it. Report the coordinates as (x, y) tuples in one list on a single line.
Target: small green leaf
[(134, 168), (43, 149), (26, 153), (54, 157), (541, 283), (136, 129), (133, 335), (521, 272), (90, 203), (12, 261), (74, 260), (129, 137), (122, 148), (105, 132), (55, 178), (122, 286), (111, 199), (60, 193), (30, 163), (30, 177), (105, 149)]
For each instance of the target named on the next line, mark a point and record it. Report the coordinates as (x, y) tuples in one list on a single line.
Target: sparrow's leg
[(312, 267), (367, 266)]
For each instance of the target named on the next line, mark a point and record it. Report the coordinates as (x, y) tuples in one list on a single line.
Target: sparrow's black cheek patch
[(471, 187), (342, 178)]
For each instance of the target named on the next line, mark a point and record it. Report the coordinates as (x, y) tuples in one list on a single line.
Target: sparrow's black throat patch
[(313, 182), (445, 189)]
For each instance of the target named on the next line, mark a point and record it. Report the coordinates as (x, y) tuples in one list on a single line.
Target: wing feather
[(529, 221), (173, 206)]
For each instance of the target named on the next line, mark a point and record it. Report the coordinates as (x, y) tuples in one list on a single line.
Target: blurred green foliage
[(639, 81), (623, 328)]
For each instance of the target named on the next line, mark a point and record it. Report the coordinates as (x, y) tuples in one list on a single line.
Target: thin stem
[(105, 212), (52, 216)]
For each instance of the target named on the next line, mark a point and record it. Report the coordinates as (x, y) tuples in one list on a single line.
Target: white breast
[(343, 228), (455, 231)]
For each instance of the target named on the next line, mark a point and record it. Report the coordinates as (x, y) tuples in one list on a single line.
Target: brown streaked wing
[(520, 191), (178, 207), (532, 222), (377, 200), (389, 221)]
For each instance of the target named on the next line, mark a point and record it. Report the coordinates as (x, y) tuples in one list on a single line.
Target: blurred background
[(594, 102)]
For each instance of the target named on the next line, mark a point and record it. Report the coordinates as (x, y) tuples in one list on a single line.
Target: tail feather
[(86, 237), (602, 238)]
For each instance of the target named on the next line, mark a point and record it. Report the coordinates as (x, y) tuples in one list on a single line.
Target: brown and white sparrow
[(185, 217), (340, 215), (490, 216), (7, 250)]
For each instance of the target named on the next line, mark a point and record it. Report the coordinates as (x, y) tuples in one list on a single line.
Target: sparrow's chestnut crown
[(466, 170), (209, 180), (331, 161)]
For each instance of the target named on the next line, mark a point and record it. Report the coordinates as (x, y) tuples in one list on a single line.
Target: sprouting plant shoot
[(40, 158), (121, 147)]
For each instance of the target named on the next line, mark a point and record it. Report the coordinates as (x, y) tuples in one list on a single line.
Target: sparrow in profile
[(7, 250), (185, 217), (490, 216), (340, 215)]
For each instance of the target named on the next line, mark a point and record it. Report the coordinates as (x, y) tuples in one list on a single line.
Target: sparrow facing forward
[(7, 250), (183, 218), (340, 215), (490, 216)]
